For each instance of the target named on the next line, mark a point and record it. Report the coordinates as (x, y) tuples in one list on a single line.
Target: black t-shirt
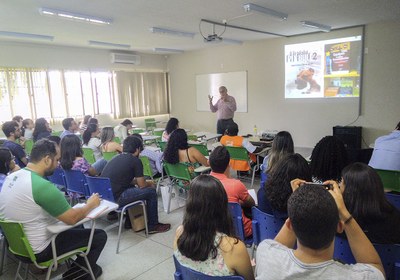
[(121, 170)]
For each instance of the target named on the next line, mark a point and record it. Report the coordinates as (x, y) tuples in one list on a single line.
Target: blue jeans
[(99, 165), (149, 195)]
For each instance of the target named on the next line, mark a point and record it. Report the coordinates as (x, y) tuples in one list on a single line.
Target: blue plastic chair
[(237, 219), (102, 186), (394, 199), (265, 226), (389, 254), (58, 178), (185, 273), (76, 183)]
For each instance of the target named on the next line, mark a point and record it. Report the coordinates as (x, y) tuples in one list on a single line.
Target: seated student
[(231, 138), (125, 171), (84, 123), (386, 154), (41, 130), (365, 199), (29, 199), (70, 127), (213, 250), (282, 146), (273, 198), (172, 124), (236, 190), (90, 140), (155, 158), (178, 150), (72, 157), (328, 158), (7, 164), (122, 130), (19, 120), (12, 132), (27, 128), (107, 141), (315, 215)]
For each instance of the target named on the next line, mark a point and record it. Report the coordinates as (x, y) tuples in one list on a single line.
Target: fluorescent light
[(74, 16), (166, 50), (107, 44), (172, 32), (253, 7), (310, 24), (26, 35)]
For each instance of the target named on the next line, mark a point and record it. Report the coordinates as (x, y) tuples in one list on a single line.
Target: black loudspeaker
[(350, 136)]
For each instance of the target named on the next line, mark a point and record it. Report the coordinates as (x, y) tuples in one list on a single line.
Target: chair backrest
[(17, 240), (185, 273), (177, 171), (102, 186), (150, 123), (162, 145), (265, 226), (201, 148), (146, 166), (390, 179), (76, 182), (58, 177), (56, 133), (394, 199), (237, 219), (158, 133), (389, 254), (88, 155), (28, 146), (109, 155), (117, 140), (136, 130), (192, 137), (237, 153)]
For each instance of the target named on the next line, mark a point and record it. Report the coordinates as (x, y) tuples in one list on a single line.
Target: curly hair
[(177, 141), (328, 158), (282, 146), (206, 209), (277, 186)]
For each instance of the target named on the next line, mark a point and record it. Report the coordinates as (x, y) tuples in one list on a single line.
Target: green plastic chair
[(176, 172), (109, 155), (202, 149), (162, 145), (192, 137), (146, 167), (240, 153), (158, 133), (56, 133), (88, 155), (117, 140), (28, 146), (150, 123), (19, 246), (390, 179), (136, 130)]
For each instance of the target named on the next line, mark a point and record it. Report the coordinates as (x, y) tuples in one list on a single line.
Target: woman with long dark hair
[(91, 140), (72, 156), (328, 158), (273, 198), (364, 197), (7, 164), (282, 146), (206, 241), (172, 124), (84, 123), (41, 130)]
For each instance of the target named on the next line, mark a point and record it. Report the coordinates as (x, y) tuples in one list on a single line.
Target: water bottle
[(255, 130)]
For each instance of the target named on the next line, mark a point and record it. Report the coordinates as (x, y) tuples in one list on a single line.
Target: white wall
[(307, 120)]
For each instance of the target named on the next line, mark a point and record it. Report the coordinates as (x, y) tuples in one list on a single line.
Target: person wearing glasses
[(225, 108)]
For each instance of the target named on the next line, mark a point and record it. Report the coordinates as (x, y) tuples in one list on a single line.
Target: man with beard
[(29, 199)]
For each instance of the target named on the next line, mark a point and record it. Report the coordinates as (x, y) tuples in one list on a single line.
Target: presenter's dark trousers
[(222, 125)]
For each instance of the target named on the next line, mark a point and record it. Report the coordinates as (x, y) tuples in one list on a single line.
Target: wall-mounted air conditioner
[(125, 58)]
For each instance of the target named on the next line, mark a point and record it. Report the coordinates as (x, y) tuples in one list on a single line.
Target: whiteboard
[(208, 84)]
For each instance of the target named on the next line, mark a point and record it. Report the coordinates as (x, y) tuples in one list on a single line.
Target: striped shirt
[(225, 109)]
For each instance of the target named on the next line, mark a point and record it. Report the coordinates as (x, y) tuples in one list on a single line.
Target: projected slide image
[(329, 68)]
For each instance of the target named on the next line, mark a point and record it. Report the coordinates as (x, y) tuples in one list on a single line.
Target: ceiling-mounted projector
[(213, 38)]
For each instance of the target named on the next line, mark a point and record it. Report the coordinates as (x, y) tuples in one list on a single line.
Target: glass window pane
[(103, 91), (20, 99), (5, 109), (41, 97), (57, 95), (74, 93), (87, 94)]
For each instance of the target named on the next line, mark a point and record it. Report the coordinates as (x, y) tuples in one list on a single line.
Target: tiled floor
[(139, 258)]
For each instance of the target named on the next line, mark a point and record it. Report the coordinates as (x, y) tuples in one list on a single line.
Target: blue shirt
[(65, 133), (386, 154), (17, 151)]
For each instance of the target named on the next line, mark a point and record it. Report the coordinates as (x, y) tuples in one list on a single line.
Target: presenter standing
[(225, 108)]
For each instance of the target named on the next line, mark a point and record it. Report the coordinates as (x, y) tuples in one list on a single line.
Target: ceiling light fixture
[(253, 7), (322, 27), (166, 50), (74, 16), (165, 31), (26, 36), (107, 44)]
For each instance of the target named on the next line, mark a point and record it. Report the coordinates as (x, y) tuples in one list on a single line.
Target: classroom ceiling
[(132, 20)]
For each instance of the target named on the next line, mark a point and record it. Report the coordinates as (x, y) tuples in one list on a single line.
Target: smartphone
[(327, 187)]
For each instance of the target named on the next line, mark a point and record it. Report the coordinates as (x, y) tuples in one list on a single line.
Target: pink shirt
[(225, 109), (238, 193)]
